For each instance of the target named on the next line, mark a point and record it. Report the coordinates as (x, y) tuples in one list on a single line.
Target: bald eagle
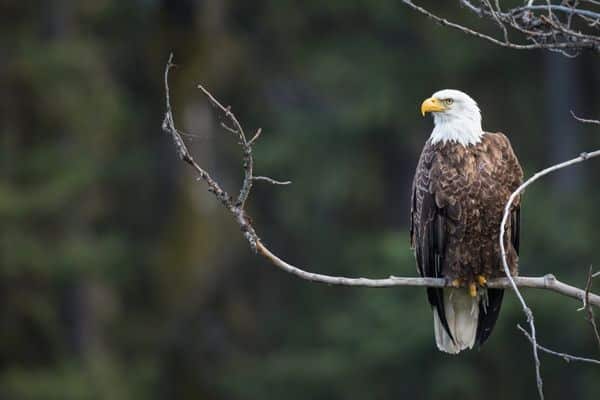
[(463, 180)]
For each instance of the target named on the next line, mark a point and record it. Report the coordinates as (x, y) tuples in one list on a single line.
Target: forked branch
[(564, 27)]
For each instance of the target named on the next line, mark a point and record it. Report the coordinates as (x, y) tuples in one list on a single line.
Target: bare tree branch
[(246, 147), (547, 282), (589, 311), (564, 356), (543, 26), (271, 180), (585, 121), (507, 209)]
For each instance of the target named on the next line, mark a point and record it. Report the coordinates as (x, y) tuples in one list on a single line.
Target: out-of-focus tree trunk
[(562, 89), (57, 19), (82, 308)]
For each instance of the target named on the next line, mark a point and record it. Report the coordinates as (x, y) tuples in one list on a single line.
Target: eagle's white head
[(456, 117)]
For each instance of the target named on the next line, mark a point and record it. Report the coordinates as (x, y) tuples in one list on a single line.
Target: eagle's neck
[(464, 129)]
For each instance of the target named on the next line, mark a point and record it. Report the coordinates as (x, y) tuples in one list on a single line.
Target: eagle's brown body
[(458, 199)]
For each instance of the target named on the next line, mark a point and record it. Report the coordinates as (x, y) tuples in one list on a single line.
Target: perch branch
[(547, 282)]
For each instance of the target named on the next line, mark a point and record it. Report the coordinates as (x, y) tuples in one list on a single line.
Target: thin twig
[(586, 121), (590, 317), (228, 128), (550, 8), (480, 35), (246, 147), (255, 137), (543, 30), (271, 180), (564, 356), (497, 19)]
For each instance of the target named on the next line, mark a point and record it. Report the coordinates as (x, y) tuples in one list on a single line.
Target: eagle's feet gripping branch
[(480, 280), (456, 283)]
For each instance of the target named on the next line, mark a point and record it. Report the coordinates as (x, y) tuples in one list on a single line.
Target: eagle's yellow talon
[(482, 280), (455, 283), (473, 289)]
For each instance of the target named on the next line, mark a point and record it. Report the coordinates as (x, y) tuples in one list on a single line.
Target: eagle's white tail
[(462, 314)]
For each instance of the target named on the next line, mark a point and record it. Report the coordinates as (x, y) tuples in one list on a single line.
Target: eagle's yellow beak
[(431, 105)]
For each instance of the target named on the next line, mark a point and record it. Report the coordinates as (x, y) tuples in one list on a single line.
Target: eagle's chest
[(459, 196), (467, 169), (465, 181)]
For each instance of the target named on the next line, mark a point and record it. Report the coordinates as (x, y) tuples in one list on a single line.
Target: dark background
[(121, 277)]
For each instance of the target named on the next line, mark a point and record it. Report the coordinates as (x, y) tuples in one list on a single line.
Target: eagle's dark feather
[(458, 198)]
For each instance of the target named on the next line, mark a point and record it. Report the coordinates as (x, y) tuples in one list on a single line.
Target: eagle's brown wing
[(489, 311), (510, 176), (428, 230)]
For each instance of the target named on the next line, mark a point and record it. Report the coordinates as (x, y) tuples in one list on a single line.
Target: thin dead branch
[(584, 120), (589, 311), (528, 313), (551, 26), (271, 180), (564, 356)]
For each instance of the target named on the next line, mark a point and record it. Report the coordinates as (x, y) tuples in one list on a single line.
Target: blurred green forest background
[(122, 278)]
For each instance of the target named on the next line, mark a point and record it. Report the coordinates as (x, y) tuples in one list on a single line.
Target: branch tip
[(270, 180), (256, 136)]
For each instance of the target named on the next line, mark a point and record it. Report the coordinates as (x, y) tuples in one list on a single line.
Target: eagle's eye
[(448, 101)]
